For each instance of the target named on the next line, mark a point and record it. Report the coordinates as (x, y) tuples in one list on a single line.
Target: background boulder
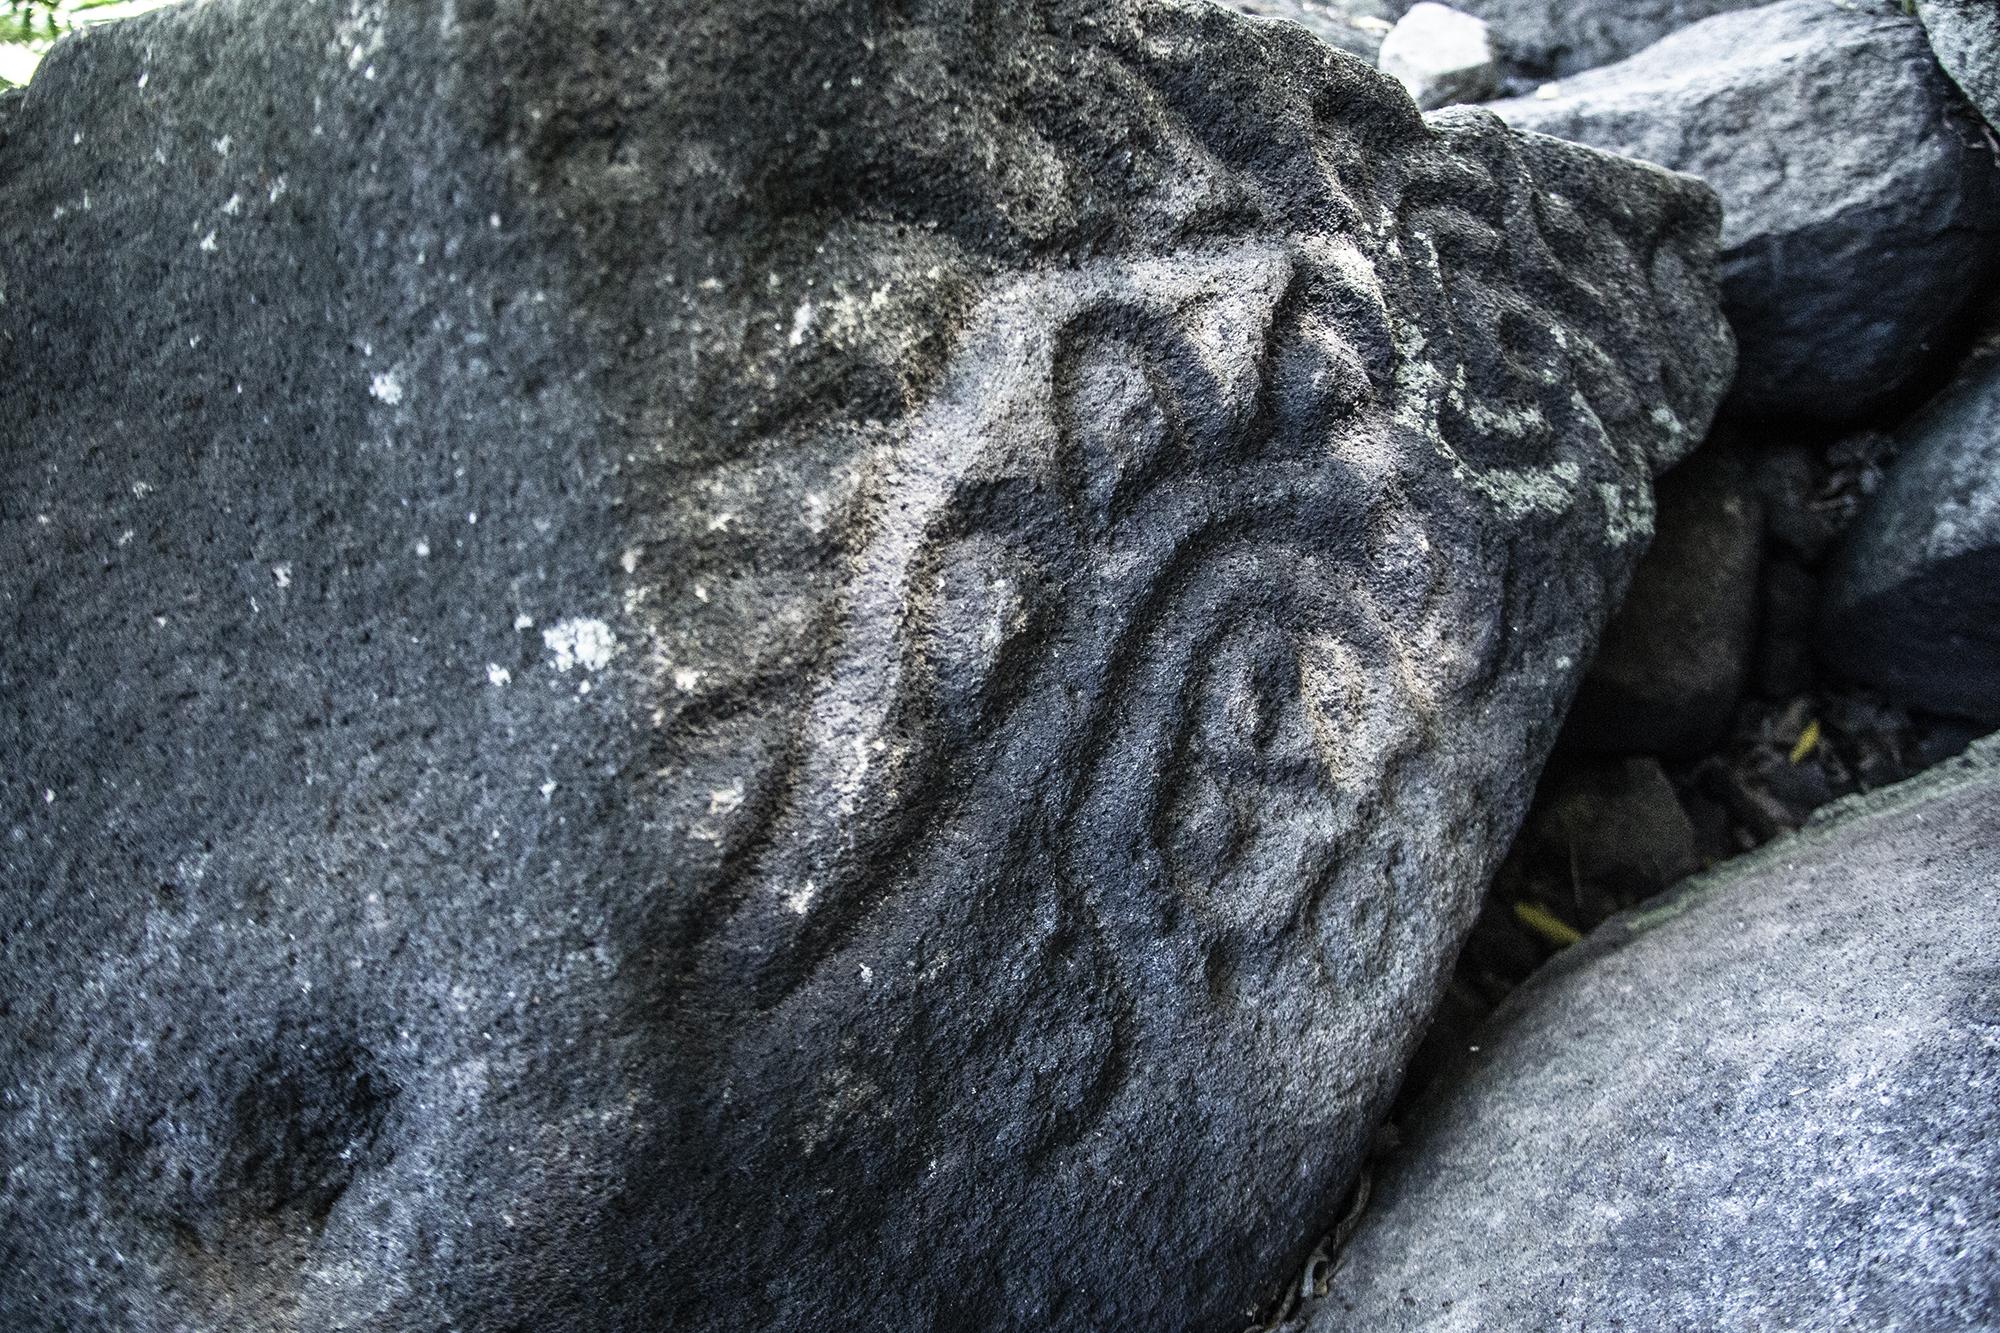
[(1966, 36), (1442, 55), (1672, 662), (1912, 605), (1558, 37), (1861, 198), (1768, 1099), (1355, 26)]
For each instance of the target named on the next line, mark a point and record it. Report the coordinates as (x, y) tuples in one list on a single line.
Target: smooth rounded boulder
[(1768, 1099), (759, 665)]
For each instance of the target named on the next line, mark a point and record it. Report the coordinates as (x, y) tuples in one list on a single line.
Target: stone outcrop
[(1767, 1099), (1861, 202), (807, 671), (1965, 34)]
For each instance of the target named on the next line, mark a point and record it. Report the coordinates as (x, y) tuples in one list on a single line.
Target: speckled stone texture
[(768, 665), (1767, 1099), (1966, 36), (1861, 201)]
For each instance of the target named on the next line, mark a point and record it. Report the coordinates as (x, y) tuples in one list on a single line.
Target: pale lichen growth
[(1421, 393), (1625, 518), (579, 642), (726, 800)]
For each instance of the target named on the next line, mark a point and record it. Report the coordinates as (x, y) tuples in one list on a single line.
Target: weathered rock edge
[(730, 666)]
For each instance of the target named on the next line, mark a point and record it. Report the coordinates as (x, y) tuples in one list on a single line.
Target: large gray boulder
[(1912, 599), (1965, 34), (770, 668), (1770, 1099), (1861, 201), (1556, 37)]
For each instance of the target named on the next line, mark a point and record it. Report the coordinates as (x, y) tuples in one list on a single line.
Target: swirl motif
[(1145, 620)]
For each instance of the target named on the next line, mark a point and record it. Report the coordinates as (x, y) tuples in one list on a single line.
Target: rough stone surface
[(821, 672), (1672, 662), (1861, 200), (1768, 1100), (1965, 34), (1557, 37), (1442, 55), (1912, 603), (1355, 26)]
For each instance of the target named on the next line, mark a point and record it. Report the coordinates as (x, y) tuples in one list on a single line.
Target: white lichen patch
[(579, 642), (1624, 518), (800, 900), (802, 319), (726, 800), (386, 387), (208, 244), (282, 575), (524, 621), (497, 675), (1422, 391), (359, 34), (232, 205)]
